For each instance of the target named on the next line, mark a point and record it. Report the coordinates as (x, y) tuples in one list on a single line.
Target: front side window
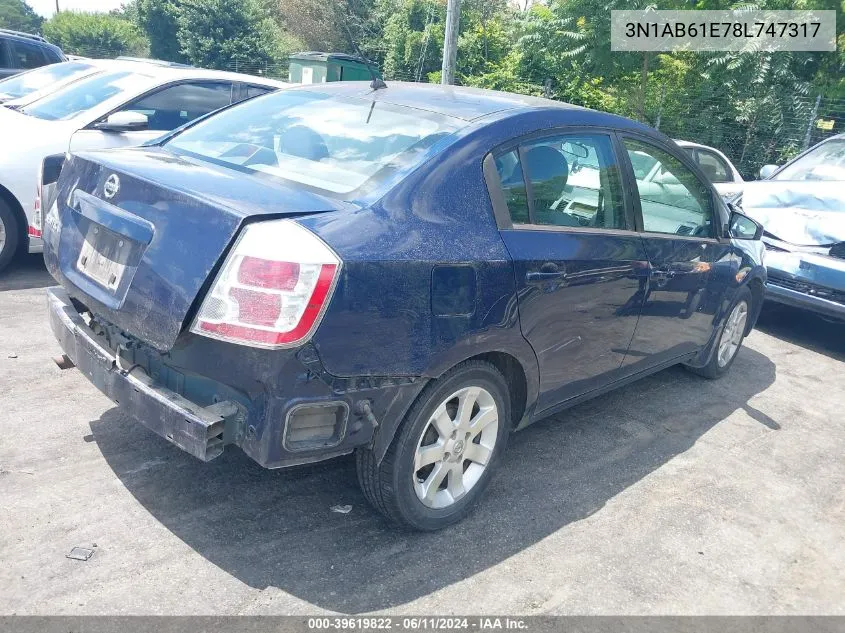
[(26, 55), (332, 143), (83, 95), (177, 105), (713, 166), (672, 198), (21, 85), (573, 180)]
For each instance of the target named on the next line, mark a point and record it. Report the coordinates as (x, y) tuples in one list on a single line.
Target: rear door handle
[(547, 272)]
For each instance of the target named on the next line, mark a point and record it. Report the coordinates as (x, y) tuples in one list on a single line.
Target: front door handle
[(547, 272)]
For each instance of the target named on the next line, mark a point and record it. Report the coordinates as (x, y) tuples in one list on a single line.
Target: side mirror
[(124, 122), (741, 227), (768, 170)]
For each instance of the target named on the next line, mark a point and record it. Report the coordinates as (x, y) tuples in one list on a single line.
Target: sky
[(47, 8)]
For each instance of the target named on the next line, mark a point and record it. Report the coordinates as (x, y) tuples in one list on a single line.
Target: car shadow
[(26, 272), (803, 328), (276, 528)]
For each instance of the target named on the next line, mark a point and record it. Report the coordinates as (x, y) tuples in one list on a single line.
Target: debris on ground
[(342, 509), (80, 553), (13, 355)]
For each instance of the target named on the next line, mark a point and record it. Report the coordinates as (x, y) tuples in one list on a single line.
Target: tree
[(18, 16), (229, 34), (159, 20), (95, 34)]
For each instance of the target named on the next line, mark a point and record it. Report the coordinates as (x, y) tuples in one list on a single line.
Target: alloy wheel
[(455, 447), (733, 333)]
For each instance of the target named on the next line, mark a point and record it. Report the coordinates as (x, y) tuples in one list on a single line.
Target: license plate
[(103, 256)]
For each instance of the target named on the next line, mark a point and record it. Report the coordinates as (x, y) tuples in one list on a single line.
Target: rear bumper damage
[(195, 429), (280, 407)]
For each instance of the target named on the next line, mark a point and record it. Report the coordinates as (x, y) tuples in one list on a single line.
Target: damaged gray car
[(802, 209)]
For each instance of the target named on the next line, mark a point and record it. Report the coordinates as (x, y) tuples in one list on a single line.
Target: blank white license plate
[(103, 256)]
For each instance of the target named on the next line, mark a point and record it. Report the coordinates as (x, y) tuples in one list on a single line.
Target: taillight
[(34, 228), (273, 288)]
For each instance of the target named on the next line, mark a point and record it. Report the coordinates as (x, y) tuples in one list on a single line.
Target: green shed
[(314, 68)]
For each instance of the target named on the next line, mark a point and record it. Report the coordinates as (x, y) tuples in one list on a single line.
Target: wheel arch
[(17, 210), (758, 294), (523, 386)]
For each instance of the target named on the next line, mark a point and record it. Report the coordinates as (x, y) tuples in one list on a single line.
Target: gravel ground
[(674, 495)]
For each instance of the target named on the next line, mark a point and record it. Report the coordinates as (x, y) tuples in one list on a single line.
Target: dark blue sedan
[(409, 273)]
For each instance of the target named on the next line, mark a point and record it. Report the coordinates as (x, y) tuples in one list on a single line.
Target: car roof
[(29, 38), (163, 72), (692, 144), (459, 102)]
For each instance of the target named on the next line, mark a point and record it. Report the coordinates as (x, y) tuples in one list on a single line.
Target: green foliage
[(756, 108), (228, 34), (159, 20), (95, 34), (18, 16)]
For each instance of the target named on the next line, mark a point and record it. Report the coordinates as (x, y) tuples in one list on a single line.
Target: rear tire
[(730, 338), (445, 451), (9, 235)]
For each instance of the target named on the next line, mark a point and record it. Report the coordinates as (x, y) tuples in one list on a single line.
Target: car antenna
[(377, 83)]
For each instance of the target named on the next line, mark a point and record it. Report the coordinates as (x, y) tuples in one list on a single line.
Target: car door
[(166, 109), (676, 214), (578, 261)]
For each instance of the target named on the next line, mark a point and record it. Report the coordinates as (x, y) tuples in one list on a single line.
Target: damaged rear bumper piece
[(323, 416)]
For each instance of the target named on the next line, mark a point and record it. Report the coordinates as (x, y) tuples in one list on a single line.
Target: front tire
[(444, 453), (730, 337), (9, 235)]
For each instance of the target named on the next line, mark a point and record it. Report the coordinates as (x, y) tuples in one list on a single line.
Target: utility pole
[(57, 6), (450, 42)]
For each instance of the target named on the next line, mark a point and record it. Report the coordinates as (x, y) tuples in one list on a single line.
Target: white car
[(126, 103), (716, 166)]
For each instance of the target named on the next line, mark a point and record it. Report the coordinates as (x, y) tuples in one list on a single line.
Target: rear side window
[(4, 55), (256, 91), (26, 55), (713, 166), (572, 180), (513, 185), (672, 198), (177, 105)]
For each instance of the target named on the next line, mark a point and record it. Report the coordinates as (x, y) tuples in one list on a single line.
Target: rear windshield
[(25, 83), (335, 144), (82, 95)]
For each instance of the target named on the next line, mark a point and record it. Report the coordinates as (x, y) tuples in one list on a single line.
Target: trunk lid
[(136, 234)]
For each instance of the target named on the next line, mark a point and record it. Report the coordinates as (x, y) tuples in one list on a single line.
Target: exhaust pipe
[(63, 362)]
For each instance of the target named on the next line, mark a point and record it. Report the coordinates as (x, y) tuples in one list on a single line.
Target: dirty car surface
[(409, 273), (802, 208)]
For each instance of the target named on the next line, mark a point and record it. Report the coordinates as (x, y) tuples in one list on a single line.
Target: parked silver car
[(802, 209)]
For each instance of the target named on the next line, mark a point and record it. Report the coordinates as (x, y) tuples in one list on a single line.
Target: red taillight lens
[(265, 273), (272, 289), (34, 228)]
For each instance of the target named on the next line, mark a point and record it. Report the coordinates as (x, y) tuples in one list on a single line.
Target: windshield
[(82, 95), (26, 83), (336, 144), (823, 162)]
